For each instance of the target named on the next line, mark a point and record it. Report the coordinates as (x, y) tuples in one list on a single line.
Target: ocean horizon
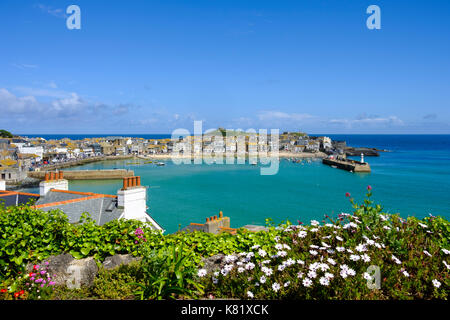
[(412, 179)]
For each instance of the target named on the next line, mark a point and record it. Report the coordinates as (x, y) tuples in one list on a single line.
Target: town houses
[(18, 155)]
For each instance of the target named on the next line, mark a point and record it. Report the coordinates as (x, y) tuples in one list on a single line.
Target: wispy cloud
[(24, 66), (279, 115), (50, 92), (368, 120), (56, 12)]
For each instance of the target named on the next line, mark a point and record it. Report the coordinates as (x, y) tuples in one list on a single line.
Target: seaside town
[(21, 154)]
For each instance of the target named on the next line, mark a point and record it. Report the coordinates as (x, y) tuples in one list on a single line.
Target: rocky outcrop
[(371, 152), (119, 259), (214, 263), (65, 270)]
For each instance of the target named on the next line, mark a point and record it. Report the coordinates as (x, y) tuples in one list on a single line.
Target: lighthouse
[(362, 157)]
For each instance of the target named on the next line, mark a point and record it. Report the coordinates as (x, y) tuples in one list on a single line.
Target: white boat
[(160, 164)]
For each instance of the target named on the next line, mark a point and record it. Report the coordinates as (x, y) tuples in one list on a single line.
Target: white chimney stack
[(53, 180), (2, 185), (132, 198)]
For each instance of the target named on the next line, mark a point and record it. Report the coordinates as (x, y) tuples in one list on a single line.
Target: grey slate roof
[(101, 210), (15, 199)]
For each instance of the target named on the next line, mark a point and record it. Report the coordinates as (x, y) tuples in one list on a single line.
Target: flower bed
[(363, 255)]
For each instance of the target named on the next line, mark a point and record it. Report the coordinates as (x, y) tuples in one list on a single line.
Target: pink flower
[(347, 194), (369, 187)]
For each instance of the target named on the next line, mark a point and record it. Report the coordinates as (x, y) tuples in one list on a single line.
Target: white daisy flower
[(250, 294), (249, 266), (262, 252), (427, 253), (367, 276), (331, 261), (354, 257), (307, 282), (436, 283), (361, 248), (312, 274), (324, 281), (202, 273), (275, 287), (423, 225), (282, 253), (230, 258), (302, 234)]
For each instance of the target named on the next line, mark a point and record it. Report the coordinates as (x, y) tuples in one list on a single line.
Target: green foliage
[(5, 134), (170, 263), (167, 275), (119, 283), (27, 234)]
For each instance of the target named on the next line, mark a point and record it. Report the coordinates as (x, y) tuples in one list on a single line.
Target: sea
[(412, 179)]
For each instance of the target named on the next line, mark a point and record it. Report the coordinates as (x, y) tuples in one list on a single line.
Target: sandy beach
[(295, 155)]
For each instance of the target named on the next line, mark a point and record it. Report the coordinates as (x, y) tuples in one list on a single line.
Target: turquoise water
[(411, 180)]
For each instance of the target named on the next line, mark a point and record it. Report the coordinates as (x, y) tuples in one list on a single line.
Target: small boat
[(160, 164)]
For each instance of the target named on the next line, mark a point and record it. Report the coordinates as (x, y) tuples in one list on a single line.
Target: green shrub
[(119, 283), (167, 275)]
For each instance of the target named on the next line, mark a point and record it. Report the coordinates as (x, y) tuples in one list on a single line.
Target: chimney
[(2, 185), (53, 180), (132, 198)]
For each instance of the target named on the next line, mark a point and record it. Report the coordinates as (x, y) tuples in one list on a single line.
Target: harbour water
[(412, 179)]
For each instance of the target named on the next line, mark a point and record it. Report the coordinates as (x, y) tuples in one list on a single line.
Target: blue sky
[(153, 66)]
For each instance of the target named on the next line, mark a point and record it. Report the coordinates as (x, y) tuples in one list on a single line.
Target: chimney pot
[(61, 175), (220, 215), (215, 217), (125, 183), (207, 219), (47, 176), (138, 181)]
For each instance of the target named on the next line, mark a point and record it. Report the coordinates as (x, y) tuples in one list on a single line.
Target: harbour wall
[(87, 174)]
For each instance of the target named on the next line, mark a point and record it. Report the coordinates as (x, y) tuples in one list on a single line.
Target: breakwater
[(349, 165), (79, 162)]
